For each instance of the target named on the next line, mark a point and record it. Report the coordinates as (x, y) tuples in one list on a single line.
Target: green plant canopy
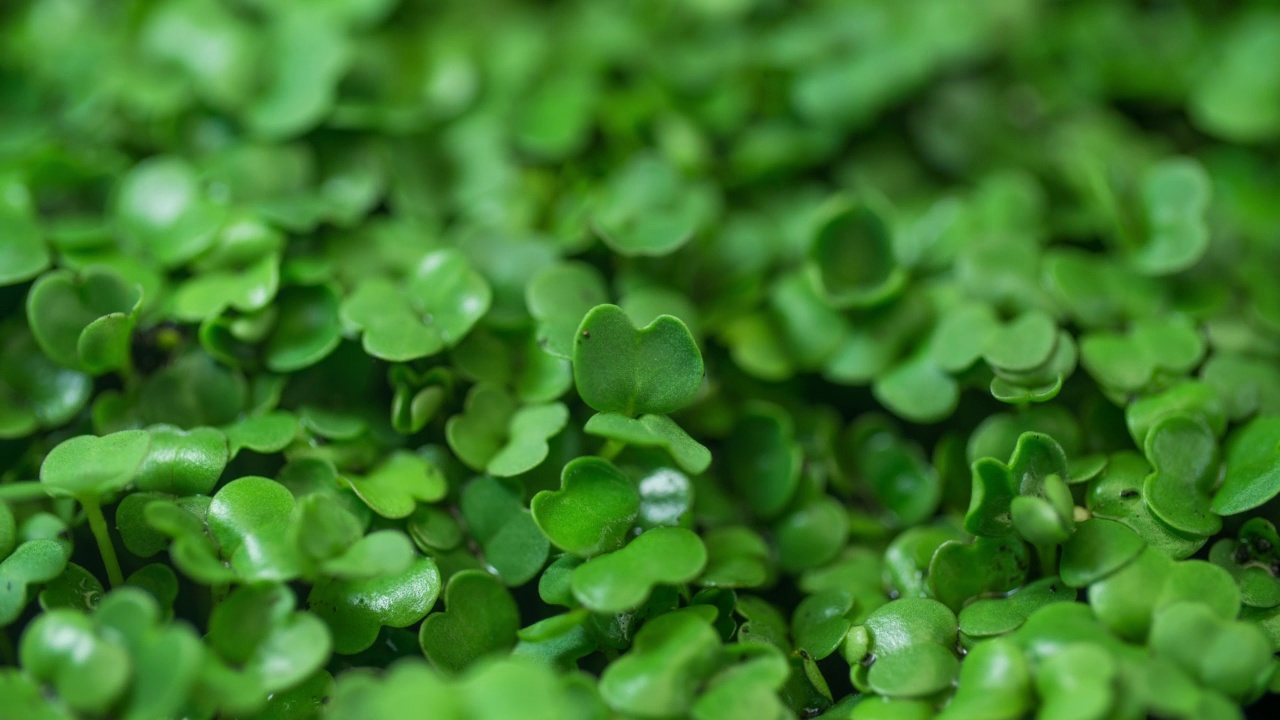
[(662, 359)]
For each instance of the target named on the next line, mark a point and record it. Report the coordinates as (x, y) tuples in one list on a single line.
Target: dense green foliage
[(719, 359)]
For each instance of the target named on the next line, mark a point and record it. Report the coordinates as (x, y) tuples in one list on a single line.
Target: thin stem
[(98, 524), (611, 449), (22, 491)]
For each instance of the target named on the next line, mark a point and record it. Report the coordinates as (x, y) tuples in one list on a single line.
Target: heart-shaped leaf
[(622, 580), (1097, 549), (1116, 494), (250, 519), (35, 392), (852, 257), (257, 630), (917, 390), (23, 254), (306, 328), (1234, 658), (1175, 194), (395, 487), (617, 368), (1128, 363), (908, 647), (480, 618), (1252, 467), (492, 434), (499, 521), (165, 213), (995, 683), (647, 209), (812, 534), (1076, 682), (1124, 601), (736, 558), (62, 648), (652, 431), (1022, 345), (765, 459), (821, 621), (660, 675), (84, 322), (1185, 457), (959, 571), (76, 589), (559, 296), (181, 462), (592, 511), (89, 466), (32, 562), (354, 610), (267, 433), (991, 617), (995, 485), (748, 687), (560, 640)]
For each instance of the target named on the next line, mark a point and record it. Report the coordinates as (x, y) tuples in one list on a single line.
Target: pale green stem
[(611, 449), (98, 524)]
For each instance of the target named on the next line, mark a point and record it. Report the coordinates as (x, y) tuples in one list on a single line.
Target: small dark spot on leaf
[(1262, 545), (1241, 555), (1128, 493), (586, 333)]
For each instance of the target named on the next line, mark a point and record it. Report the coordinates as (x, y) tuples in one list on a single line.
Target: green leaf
[(75, 589), (395, 487), (93, 467), (1252, 467), (306, 329), (268, 433), (492, 434), (23, 253), (652, 431), (852, 257), (1175, 194), (257, 630), (995, 683), (909, 645), (32, 562), (559, 296), (84, 321), (480, 618), (617, 368), (991, 617), (1023, 344), (499, 521), (354, 610), (737, 557), (62, 648), (165, 213), (1185, 457), (764, 458), (1098, 548), (917, 390), (1116, 494), (593, 510), (622, 580), (821, 621), (960, 571), (181, 462), (647, 209), (1076, 683), (250, 519), (660, 675)]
